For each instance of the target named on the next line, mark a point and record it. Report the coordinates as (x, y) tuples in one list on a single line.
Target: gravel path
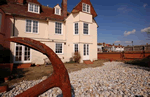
[(114, 79)]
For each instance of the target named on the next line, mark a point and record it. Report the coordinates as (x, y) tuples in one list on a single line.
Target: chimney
[(103, 43), (64, 8), (20, 1), (113, 44)]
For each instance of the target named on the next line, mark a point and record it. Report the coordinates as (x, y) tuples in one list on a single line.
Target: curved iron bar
[(59, 78)]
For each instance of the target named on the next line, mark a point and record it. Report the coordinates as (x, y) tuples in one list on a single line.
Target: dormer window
[(57, 11), (33, 8), (86, 8)]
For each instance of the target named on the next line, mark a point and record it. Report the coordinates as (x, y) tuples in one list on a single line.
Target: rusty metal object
[(59, 78)]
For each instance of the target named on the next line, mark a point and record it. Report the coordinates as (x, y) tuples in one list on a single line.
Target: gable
[(79, 7)]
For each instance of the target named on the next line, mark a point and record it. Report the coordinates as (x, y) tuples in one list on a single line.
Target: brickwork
[(124, 56)]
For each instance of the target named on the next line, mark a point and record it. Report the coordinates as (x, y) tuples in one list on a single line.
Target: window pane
[(27, 54), (84, 49), (58, 28), (85, 28), (0, 19), (88, 8), (76, 47), (87, 49), (28, 25), (76, 28), (30, 7), (57, 11), (58, 48), (35, 26), (36, 8), (84, 7)]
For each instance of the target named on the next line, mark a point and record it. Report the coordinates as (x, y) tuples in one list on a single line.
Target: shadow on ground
[(142, 64)]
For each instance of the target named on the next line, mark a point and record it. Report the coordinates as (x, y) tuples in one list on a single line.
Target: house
[(64, 32), (103, 47), (100, 47)]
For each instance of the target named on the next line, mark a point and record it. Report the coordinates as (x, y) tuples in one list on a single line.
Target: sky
[(119, 21)]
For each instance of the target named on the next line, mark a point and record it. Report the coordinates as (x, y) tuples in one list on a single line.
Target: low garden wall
[(130, 55)]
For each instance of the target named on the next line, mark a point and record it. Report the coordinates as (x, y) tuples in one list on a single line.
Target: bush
[(76, 57)]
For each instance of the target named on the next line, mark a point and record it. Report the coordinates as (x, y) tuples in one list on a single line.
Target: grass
[(37, 72)]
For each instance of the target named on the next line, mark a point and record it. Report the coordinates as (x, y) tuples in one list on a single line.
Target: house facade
[(64, 32)]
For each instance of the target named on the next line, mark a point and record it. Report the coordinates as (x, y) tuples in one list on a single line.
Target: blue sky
[(120, 21)]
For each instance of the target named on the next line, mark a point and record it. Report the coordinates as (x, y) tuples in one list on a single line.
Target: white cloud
[(145, 29), (128, 42), (129, 32), (124, 9), (117, 42), (145, 5)]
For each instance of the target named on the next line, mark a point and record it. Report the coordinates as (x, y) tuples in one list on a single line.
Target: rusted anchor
[(59, 78)]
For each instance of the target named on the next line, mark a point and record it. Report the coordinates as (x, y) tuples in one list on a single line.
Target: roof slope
[(22, 10)]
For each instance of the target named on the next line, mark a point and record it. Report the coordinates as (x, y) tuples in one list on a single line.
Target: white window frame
[(86, 8), (33, 8), (75, 29), (62, 48), (61, 29), (22, 60), (32, 27), (74, 47), (88, 28), (58, 10)]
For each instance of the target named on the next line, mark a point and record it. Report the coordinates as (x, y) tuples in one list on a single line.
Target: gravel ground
[(114, 79)]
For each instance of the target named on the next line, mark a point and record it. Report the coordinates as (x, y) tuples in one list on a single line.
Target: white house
[(62, 31)]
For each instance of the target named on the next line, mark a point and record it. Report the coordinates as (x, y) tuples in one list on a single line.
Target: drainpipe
[(14, 25)]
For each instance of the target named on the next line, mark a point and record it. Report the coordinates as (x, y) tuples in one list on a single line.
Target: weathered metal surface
[(59, 78)]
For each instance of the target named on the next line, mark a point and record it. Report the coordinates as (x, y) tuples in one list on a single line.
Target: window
[(33, 8), (31, 26), (76, 28), (58, 28), (22, 53), (58, 48), (76, 49), (86, 7), (0, 19), (57, 11), (85, 28)]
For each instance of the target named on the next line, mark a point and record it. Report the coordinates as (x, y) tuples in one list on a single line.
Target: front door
[(85, 51), (22, 54)]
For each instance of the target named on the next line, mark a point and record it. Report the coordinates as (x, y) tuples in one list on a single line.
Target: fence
[(130, 55)]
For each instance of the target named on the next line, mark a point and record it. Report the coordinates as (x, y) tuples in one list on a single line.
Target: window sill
[(60, 53), (31, 33), (76, 34), (34, 12), (58, 34), (86, 34)]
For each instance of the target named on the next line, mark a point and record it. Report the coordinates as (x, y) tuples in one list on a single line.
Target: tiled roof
[(22, 10)]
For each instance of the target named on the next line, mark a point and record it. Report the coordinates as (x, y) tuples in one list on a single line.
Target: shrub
[(76, 57)]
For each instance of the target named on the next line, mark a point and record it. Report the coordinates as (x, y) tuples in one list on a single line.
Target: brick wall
[(127, 55)]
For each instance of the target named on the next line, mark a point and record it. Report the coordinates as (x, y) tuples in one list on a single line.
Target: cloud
[(128, 42), (145, 29), (145, 5), (124, 9), (129, 32), (117, 42)]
